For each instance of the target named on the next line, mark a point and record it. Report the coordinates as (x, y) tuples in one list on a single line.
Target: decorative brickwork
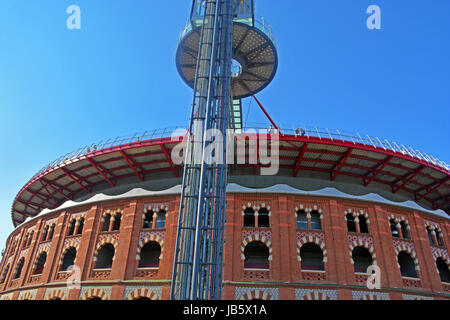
[(54, 293), (103, 293), (133, 293), (243, 293), (27, 295), (369, 295), (315, 294)]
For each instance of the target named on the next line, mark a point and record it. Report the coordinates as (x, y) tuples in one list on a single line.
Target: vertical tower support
[(198, 264)]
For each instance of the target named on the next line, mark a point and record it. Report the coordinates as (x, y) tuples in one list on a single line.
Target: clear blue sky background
[(62, 89)]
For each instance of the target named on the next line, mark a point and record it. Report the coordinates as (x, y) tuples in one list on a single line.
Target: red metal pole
[(265, 112)]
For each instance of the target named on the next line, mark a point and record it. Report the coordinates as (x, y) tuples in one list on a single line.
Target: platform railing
[(306, 131)]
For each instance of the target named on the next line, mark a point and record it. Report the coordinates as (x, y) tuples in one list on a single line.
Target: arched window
[(430, 235), (405, 231), (161, 220), (142, 299), (148, 220), (407, 265), (55, 299), (19, 268), (302, 221), (94, 299), (312, 257), (439, 238), (256, 256), (249, 218), (394, 230), (25, 241), (150, 254), (351, 225), (44, 234), (80, 226), (72, 227), (105, 257), (30, 238), (363, 228), (68, 259), (316, 222), (442, 267), (40, 263), (263, 218), (106, 221), (5, 273), (117, 220), (362, 259), (52, 230)]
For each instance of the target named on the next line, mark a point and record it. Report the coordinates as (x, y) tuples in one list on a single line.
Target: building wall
[(283, 280)]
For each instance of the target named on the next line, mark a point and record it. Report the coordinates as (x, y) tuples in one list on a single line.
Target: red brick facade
[(283, 280)]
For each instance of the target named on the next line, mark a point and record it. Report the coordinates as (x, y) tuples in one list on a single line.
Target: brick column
[(287, 239)]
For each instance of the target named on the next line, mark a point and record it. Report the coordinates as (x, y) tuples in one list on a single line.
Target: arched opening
[(405, 231), (263, 218), (256, 256), (55, 299), (80, 226), (394, 230), (117, 220), (302, 221), (407, 265), (249, 218), (148, 220), (106, 221), (161, 220), (69, 259), (351, 225), (94, 299), (30, 238), (430, 236), (105, 257), (363, 228), (142, 299), (150, 254), (312, 257), (316, 222), (72, 227), (52, 231), (40, 263), (444, 272), (5, 273), (362, 259), (19, 268)]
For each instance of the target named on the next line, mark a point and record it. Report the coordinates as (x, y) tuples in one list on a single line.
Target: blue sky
[(62, 89)]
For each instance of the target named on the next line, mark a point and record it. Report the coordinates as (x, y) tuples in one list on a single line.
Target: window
[(439, 237), (302, 221), (407, 265), (5, 273), (362, 259), (148, 220), (117, 220), (363, 228), (19, 268), (80, 226), (256, 256), (351, 225), (161, 220), (311, 257), (249, 218), (150, 254), (44, 234), (316, 222), (68, 259), (263, 218), (442, 267), (394, 230), (105, 257), (405, 231), (106, 221), (72, 227), (52, 230), (40, 263), (430, 236)]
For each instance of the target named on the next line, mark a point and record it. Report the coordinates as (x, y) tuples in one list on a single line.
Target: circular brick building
[(107, 216)]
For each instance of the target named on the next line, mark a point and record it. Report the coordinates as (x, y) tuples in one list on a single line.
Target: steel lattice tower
[(219, 31)]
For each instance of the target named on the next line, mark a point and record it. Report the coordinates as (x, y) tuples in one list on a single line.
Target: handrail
[(307, 131)]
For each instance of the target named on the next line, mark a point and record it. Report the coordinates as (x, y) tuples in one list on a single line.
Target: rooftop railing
[(307, 131)]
